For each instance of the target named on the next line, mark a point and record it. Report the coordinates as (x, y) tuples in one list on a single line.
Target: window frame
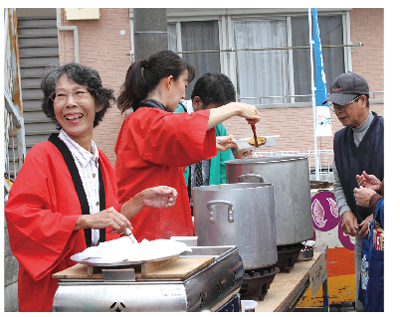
[(226, 22)]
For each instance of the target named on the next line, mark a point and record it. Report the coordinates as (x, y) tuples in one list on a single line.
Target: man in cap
[(358, 147)]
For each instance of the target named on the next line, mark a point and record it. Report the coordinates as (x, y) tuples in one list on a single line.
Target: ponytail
[(143, 76), (134, 87)]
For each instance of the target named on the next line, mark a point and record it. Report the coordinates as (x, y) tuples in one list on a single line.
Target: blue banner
[(320, 78), (323, 114)]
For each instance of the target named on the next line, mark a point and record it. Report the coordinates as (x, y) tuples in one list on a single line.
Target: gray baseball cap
[(346, 87)]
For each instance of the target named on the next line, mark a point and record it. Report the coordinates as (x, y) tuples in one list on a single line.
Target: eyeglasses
[(61, 96), (334, 106)]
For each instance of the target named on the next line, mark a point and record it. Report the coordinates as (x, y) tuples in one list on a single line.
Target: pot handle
[(223, 202), (247, 178)]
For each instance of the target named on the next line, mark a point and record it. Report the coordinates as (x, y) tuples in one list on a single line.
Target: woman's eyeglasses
[(61, 96)]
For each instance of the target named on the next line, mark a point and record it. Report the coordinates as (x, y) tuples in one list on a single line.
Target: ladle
[(256, 141)]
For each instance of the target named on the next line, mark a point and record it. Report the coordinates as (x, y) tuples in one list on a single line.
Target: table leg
[(325, 295)]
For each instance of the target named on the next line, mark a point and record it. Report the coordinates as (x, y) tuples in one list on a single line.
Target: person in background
[(242, 154), (210, 91), (357, 147), (155, 144), (370, 191), (64, 198)]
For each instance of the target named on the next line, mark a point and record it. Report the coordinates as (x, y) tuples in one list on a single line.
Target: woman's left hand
[(159, 197), (225, 143), (156, 197)]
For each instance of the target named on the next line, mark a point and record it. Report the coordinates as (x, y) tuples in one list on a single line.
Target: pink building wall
[(102, 47)]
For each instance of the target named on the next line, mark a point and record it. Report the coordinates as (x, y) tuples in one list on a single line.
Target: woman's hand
[(225, 143), (368, 181), (220, 114), (363, 195), (103, 219), (156, 197), (159, 197), (249, 112)]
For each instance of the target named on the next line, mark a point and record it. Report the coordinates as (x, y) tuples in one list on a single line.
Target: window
[(261, 75), (331, 32), (266, 56), (197, 36)]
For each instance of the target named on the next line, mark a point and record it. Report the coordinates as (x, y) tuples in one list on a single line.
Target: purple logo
[(325, 216), (325, 213)]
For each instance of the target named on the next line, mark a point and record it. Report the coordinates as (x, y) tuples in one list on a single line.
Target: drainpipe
[(73, 28)]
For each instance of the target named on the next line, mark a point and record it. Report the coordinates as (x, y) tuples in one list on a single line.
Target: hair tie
[(145, 63)]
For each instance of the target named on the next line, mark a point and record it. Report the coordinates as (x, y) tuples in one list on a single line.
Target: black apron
[(73, 170)]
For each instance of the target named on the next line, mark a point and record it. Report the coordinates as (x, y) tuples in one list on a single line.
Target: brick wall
[(294, 125), (367, 27), (103, 48)]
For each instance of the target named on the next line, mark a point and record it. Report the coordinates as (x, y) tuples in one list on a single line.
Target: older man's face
[(354, 113)]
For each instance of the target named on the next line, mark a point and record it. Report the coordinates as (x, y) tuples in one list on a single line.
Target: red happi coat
[(153, 148), (41, 213)]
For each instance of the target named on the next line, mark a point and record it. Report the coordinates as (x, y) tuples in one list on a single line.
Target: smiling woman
[(64, 198), (75, 111), (81, 76)]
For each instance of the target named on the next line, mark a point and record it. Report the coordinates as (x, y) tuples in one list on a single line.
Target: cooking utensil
[(130, 235), (260, 141), (253, 127), (290, 176), (248, 143), (256, 141), (239, 214), (307, 252)]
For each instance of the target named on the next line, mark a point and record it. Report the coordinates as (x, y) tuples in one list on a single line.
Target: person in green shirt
[(210, 91)]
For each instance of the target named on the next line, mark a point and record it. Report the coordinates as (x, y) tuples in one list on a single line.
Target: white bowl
[(244, 143)]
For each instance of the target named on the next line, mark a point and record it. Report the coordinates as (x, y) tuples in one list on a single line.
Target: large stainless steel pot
[(290, 177), (238, 214)]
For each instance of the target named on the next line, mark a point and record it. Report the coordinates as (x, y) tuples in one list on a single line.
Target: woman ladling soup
[(155, 144)]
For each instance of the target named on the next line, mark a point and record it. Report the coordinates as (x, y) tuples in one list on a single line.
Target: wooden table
[(287, 288)]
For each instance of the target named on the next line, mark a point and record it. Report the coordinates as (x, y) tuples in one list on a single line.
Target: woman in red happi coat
[(57, 206), (155, 144)]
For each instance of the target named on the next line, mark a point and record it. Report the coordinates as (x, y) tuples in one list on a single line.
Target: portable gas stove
[(213, 285), (256, 282), (287, 256)]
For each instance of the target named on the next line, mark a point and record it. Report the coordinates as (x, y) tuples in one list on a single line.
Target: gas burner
[(287, 256), (257, 282)]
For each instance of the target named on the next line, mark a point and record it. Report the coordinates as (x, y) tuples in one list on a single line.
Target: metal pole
[(234, 50)]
